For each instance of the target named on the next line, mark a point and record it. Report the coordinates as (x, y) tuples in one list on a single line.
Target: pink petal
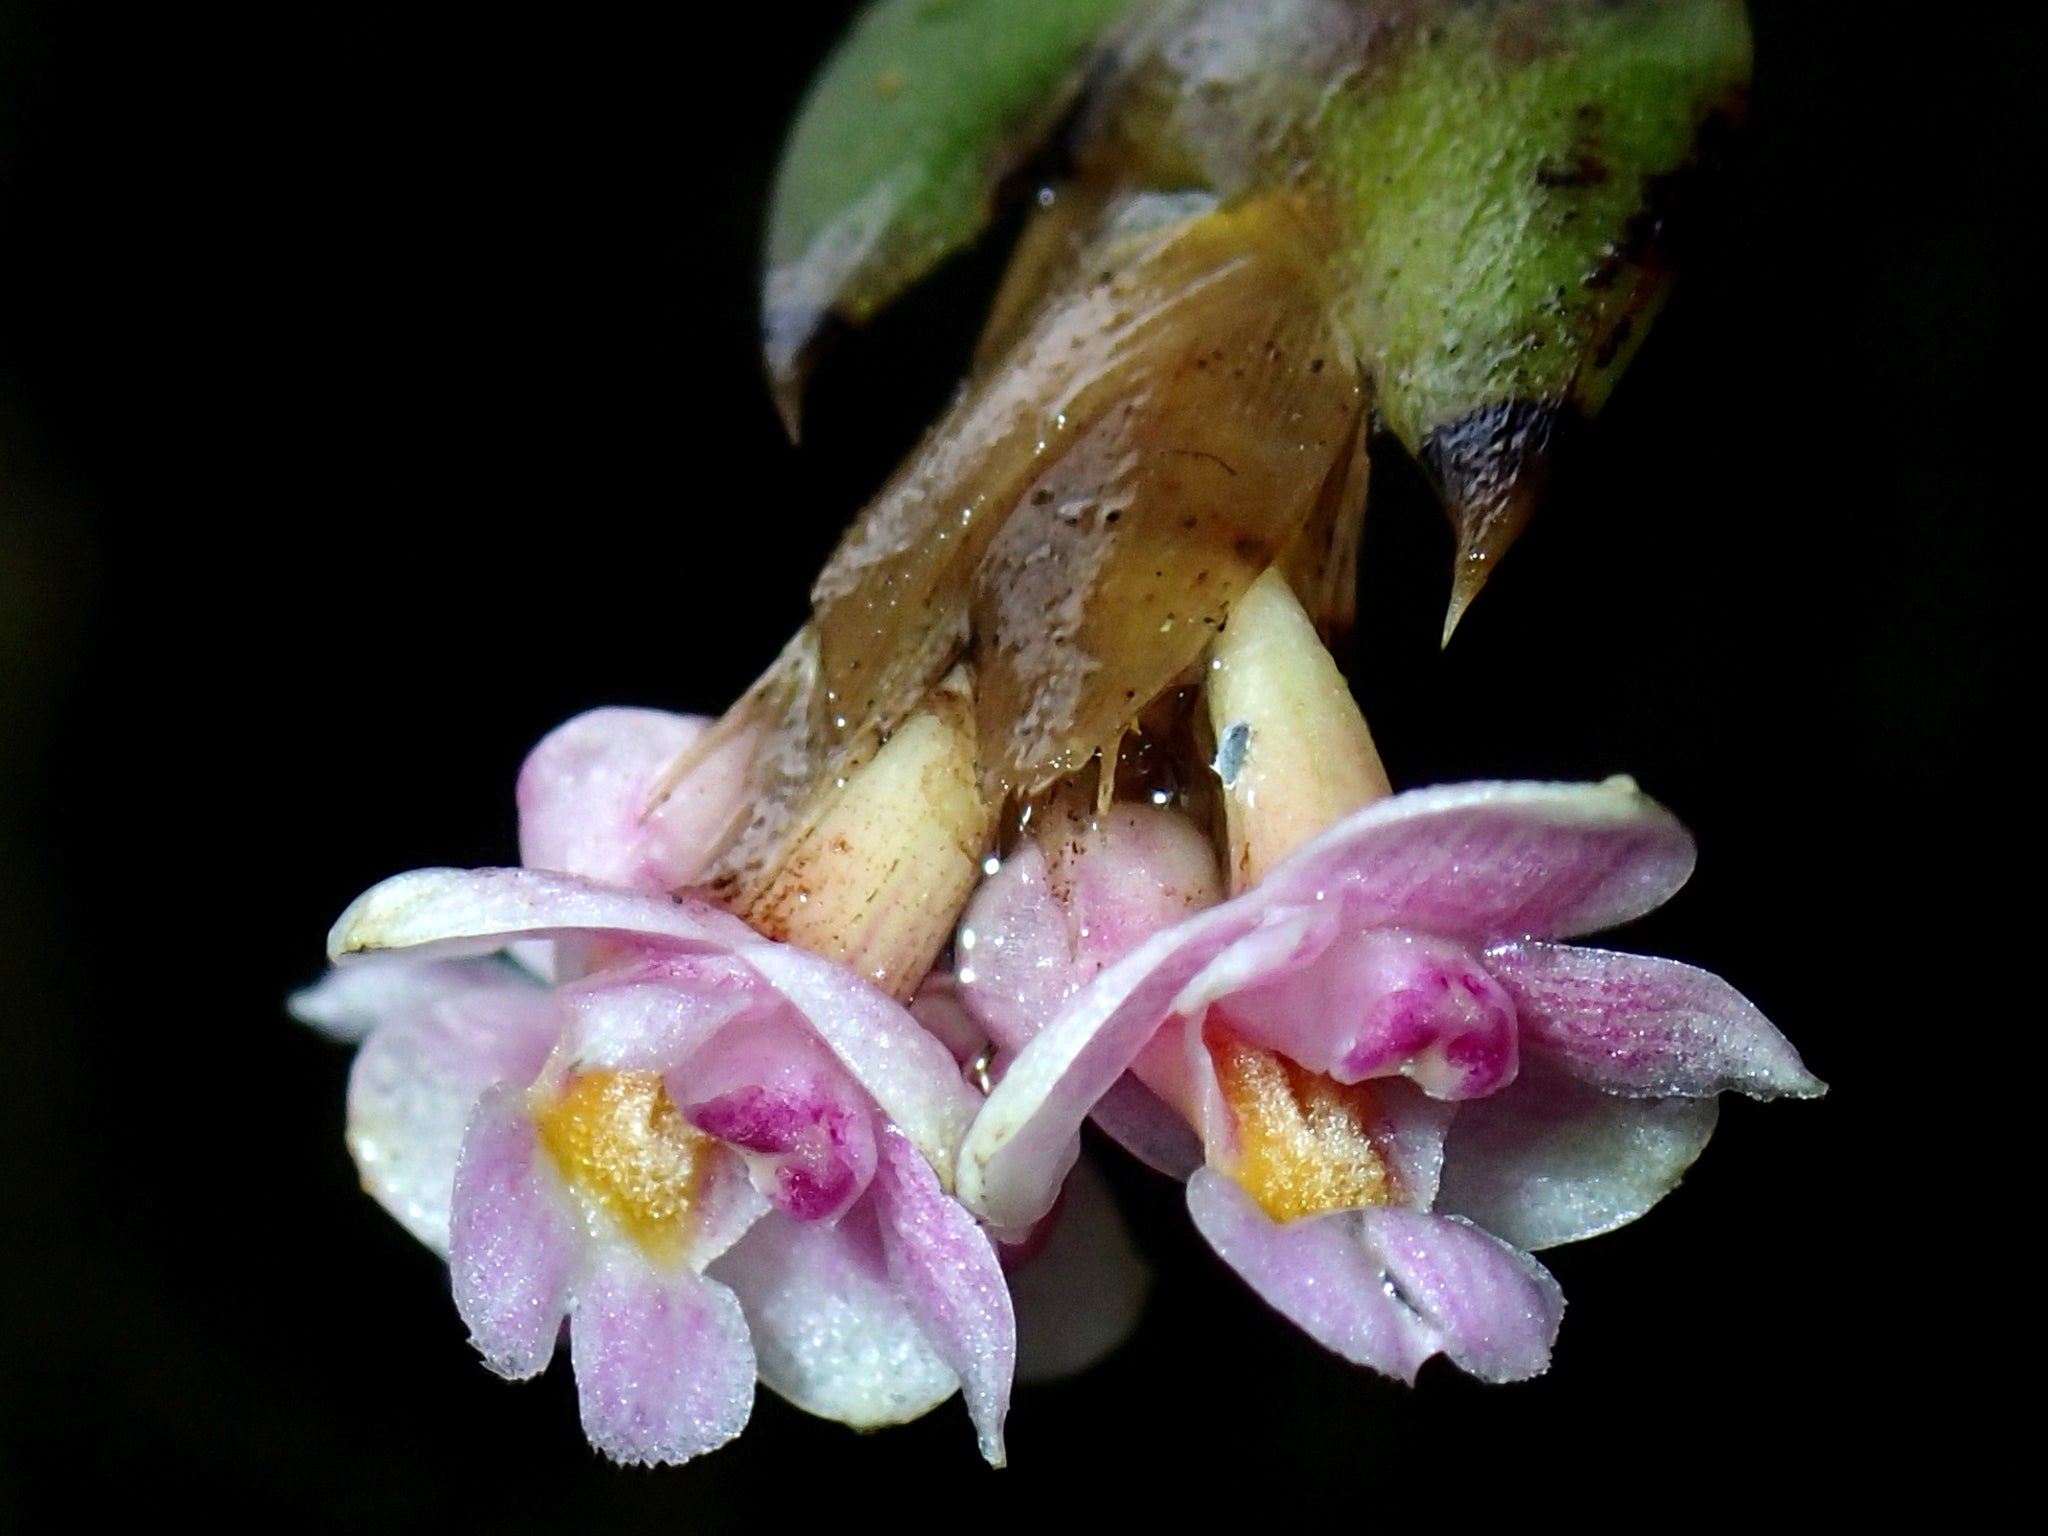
[(941, 1013), (1638, 1025), (1388, 1287), (584, 798), (655, 1012), (443, 911), (664, 1367), (1013, 956), (1552, 1160), (946, 1270), (439, 1034), (1081, 1294), (1410, 1136), (1490, 862), (1041, 927), (1133, 871), (513, 1240), (831, 1332)]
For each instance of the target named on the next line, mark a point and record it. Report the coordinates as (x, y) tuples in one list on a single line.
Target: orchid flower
[(1398, 1078), (717, 1155)]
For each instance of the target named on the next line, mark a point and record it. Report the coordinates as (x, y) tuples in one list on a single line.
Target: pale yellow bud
[(879, 878), (1292, 751)]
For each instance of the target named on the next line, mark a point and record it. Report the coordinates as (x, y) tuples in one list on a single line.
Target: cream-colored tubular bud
[(879, 880), (1292, 751)]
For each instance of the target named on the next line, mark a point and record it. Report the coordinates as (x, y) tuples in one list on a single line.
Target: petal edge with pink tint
[(513, 1241), (664, 1364), (1388, 1287), (947, 1271), (1494, 861), (1646, 1027)]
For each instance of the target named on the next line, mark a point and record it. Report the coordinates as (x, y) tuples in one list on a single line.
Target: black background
[(377, 389)]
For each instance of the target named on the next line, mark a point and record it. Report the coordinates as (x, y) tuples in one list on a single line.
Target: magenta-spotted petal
[(664, 1365), (910, 1075), (438, 1034), (1643, 1026), (513, 1239), (946, 1270), (832, 1334), (1552, 1160), (1477, 862), (1383, 1002), (770, 1090), (1388, 1287)]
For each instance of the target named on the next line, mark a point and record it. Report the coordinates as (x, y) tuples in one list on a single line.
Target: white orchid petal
[(831, 1332)]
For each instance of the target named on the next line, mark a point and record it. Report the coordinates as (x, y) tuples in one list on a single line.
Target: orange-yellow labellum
[(1304, 1143), (620, 1140)]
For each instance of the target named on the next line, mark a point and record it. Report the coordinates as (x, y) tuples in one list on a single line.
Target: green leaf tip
[(898, 151)]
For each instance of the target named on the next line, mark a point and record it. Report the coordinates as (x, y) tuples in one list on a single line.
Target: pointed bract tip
[(1489, 467), (1465, 585), (788, 395), (787, 344)]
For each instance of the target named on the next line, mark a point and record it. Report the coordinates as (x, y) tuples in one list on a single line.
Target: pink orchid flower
[(719, 1157), (1400, 1081)]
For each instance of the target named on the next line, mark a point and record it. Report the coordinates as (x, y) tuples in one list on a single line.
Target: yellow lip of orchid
[(1297, 1142), (620, 1141)]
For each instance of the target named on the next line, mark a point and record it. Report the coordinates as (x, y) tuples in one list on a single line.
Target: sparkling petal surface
[(1552, 1160), (947, 1271), (1491, 862), (831, 1333), (664, 1365), (1637, 1024), (583, 797), (438, 1034), (1388, 1287), (513, 1240), (1014, 957), (910, 1075), (1383, 1002), (655, 1013)]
